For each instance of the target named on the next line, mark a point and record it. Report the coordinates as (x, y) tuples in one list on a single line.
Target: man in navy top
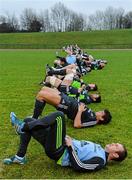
[(78, 112)]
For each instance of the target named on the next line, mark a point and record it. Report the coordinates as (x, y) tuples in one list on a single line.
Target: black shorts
[(68, 106)]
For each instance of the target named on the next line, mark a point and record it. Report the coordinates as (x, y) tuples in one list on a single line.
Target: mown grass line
[(20, 73), (93, 39)]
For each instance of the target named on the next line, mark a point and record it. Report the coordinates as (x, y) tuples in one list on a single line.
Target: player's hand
[(82, 107), (82, 88), (68, 141)]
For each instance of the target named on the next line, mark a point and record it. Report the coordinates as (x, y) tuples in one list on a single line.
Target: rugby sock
[(57, 72), (39, 106)]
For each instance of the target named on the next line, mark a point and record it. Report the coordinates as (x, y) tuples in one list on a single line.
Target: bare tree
[(76, 22), (111, 18), (30, 21), (64, 19), (127, 22), (44, 18), (96, 21), (13, 21), (119, 18), (9, 23), (58, 16)]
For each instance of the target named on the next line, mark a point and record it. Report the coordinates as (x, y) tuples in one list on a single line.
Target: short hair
[(63, 59), (93, 89), (100, 67), (98, 99), (107, 117), (122, 154)]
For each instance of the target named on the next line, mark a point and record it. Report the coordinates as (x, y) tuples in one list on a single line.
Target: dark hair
[(93, 89), (107, 117), (100, 67), (122, 154), (63, 59), (98, 99)]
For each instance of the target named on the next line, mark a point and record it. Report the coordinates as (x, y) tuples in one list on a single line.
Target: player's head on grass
[(96, 98), (116, 151), (91, 87), (103, 117)]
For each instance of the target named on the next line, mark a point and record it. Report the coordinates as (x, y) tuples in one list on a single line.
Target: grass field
[(20, 73), (93, 39)]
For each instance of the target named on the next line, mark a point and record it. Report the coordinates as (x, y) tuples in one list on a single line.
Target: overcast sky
[(84, 6)]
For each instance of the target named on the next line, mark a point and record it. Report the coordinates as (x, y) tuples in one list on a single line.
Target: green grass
[(92, 39), (20, 73)]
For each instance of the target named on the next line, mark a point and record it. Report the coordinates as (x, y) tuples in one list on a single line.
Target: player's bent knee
[(59, 114), (41, 94), (69, 77)]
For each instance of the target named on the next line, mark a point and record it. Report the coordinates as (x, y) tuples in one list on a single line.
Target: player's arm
[(77, 120), (91, 164)]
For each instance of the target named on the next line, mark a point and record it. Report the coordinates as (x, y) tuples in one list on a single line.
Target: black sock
[(39, 106), (57, 72)]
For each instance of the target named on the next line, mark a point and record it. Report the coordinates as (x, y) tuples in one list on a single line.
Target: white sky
[(83, 6)]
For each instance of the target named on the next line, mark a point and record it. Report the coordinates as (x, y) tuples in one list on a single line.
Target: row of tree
[(60, 18), (111, 18)]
